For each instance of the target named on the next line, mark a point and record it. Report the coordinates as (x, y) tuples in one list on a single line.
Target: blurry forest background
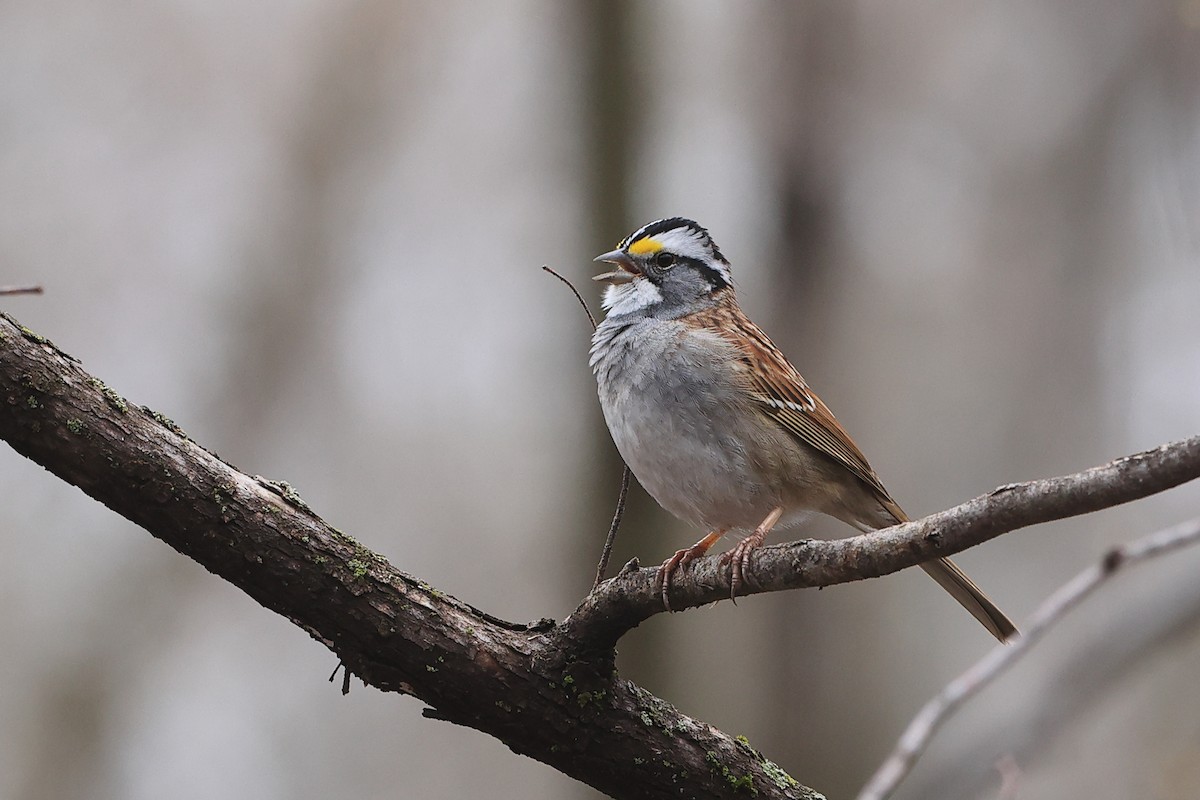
[(311, 233)]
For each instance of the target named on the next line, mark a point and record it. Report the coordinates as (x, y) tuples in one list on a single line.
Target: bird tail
[(970, 597), (961, 588)]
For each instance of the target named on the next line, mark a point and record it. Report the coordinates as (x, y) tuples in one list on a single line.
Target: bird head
[(666, 266)]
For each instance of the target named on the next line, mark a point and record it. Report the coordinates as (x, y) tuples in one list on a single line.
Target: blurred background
[(311, 233)]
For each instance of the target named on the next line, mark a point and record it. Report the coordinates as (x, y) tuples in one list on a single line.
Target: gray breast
[(668, 398)]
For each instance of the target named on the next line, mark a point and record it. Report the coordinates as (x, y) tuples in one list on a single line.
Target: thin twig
[(575, 292), (606, 553), (345, 676), (20, 290), (918, 733)]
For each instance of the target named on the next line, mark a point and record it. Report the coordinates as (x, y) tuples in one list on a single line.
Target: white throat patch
[(629, 298)]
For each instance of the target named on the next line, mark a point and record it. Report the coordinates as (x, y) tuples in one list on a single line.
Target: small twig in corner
[(918, 733), (345, 676), (606, 553), (20, 290)]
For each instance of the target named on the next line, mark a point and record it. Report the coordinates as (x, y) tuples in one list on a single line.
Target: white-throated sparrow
[(715, 423)]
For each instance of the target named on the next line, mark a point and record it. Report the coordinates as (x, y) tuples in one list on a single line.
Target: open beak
[(626, 269)]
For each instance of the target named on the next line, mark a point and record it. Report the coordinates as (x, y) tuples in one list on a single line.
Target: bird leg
[(666, 572), (739, 557)]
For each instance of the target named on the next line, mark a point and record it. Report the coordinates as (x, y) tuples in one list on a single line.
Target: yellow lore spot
[(644, 247)]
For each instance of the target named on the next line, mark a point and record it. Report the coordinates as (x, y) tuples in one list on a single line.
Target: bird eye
[(664, 260)]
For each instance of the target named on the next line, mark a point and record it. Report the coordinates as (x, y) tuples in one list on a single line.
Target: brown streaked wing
[(785, 397)]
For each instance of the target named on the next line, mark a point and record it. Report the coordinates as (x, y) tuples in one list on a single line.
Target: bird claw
[(739, 556), (738, 560), (666, 574)]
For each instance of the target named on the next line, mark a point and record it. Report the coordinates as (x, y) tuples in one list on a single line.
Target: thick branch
[(392, 630), (630, 598)]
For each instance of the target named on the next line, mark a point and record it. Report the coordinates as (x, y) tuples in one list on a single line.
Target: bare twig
[(606, 552), (575, 292), (20, 290), (917, 735)]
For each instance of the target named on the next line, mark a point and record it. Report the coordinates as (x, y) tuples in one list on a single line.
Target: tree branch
[(630, 598), (394, 631), (548, 692)]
